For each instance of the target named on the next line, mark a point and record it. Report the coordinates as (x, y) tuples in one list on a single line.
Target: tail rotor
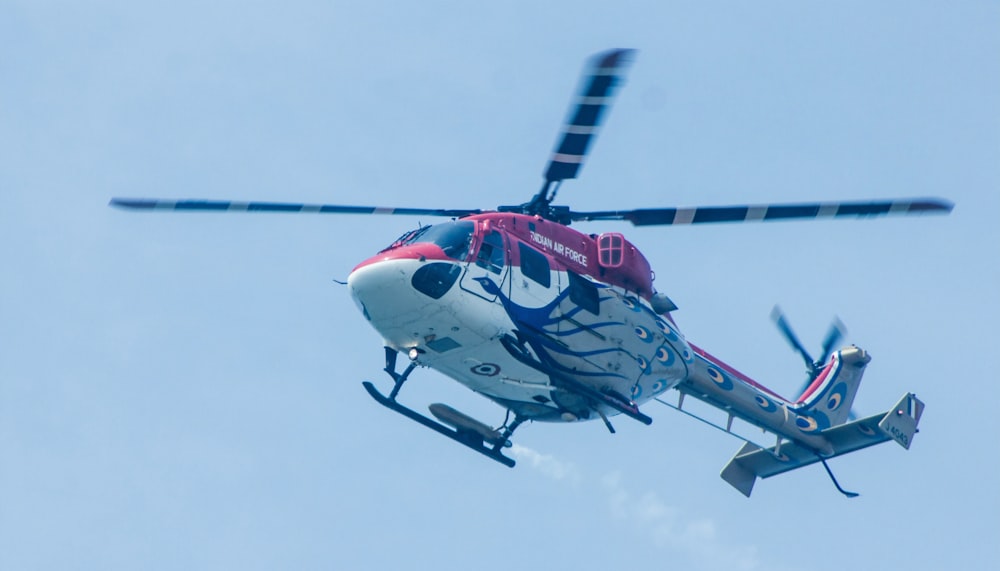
[(814, 367)]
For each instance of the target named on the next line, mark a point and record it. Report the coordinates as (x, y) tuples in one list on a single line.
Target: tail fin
[(901, 422), (832, 393)]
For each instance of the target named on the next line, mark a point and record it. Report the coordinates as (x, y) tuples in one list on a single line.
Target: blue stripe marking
[(560, 170), (273, 207), (201, 205), (574, 144), (587, 115), (648, 216), (930, 206), (792, 211), (600, 85), (723, 214), (868, 209), (133, 203)]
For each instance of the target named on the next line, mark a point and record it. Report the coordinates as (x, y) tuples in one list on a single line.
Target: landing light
[(413, 353)]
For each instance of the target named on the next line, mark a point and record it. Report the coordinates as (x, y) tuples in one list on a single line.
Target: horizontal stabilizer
[(752, 462)]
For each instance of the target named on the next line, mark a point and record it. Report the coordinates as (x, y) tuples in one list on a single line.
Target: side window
[(534, 264), (584, 293), (610, 249), (491, 253)]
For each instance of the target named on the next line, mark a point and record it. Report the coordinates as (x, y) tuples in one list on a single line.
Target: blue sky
[(183, 391)]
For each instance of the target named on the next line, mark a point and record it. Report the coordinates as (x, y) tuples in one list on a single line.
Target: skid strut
[(611, 399), (466, 436)]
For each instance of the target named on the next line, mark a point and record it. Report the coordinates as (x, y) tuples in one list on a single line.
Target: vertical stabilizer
[(900, 423), (738, 474), (831, 394)]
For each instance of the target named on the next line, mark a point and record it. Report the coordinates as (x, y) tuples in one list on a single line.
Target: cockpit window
[(453, 238)]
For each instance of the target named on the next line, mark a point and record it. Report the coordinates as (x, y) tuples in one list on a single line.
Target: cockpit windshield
[(453, 238)]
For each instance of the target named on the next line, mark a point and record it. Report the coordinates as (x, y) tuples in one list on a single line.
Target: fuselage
[(580, 306)]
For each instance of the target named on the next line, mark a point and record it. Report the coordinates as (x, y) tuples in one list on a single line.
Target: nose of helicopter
[(392, 293), (381, 288)]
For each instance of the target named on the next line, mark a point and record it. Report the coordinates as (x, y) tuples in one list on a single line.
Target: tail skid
[(752, 462)]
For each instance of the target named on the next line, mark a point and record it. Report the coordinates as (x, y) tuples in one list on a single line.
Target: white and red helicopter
[(560, 326)]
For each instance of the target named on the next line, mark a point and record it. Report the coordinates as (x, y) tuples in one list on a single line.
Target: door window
[(491, 254)]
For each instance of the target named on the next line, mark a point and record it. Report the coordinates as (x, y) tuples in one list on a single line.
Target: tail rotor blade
[(833, 337), (779, 319)]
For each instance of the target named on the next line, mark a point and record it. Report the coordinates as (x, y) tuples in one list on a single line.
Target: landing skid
[(470, 440), (466, 437)]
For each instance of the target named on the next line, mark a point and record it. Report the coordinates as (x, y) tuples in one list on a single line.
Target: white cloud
[(667, 527), (547, 464)]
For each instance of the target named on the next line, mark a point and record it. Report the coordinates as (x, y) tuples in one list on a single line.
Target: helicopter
[(556, 325)]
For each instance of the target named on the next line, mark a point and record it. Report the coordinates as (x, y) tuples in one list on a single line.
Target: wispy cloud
[(667, 527), (694, 539), (547, 464)]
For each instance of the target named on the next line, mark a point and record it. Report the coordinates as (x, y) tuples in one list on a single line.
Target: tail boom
[(825, 404)]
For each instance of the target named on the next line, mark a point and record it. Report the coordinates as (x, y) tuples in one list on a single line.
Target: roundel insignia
[(720, 379), (836, 397), (765, 403), (866, 430), (822, 420), (643, 364), (664, 356), (806, 424), (659, 386), (632, 303), (643, 333), (666, 329), (834, 401), (686, 355), (486, 369), (636, 391)]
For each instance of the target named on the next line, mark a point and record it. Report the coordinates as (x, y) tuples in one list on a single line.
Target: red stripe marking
[(816, 384), (425, 250)]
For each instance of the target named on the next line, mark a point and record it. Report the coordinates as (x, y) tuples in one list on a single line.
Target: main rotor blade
[(233, 206), (769, 212), (604, 72)]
